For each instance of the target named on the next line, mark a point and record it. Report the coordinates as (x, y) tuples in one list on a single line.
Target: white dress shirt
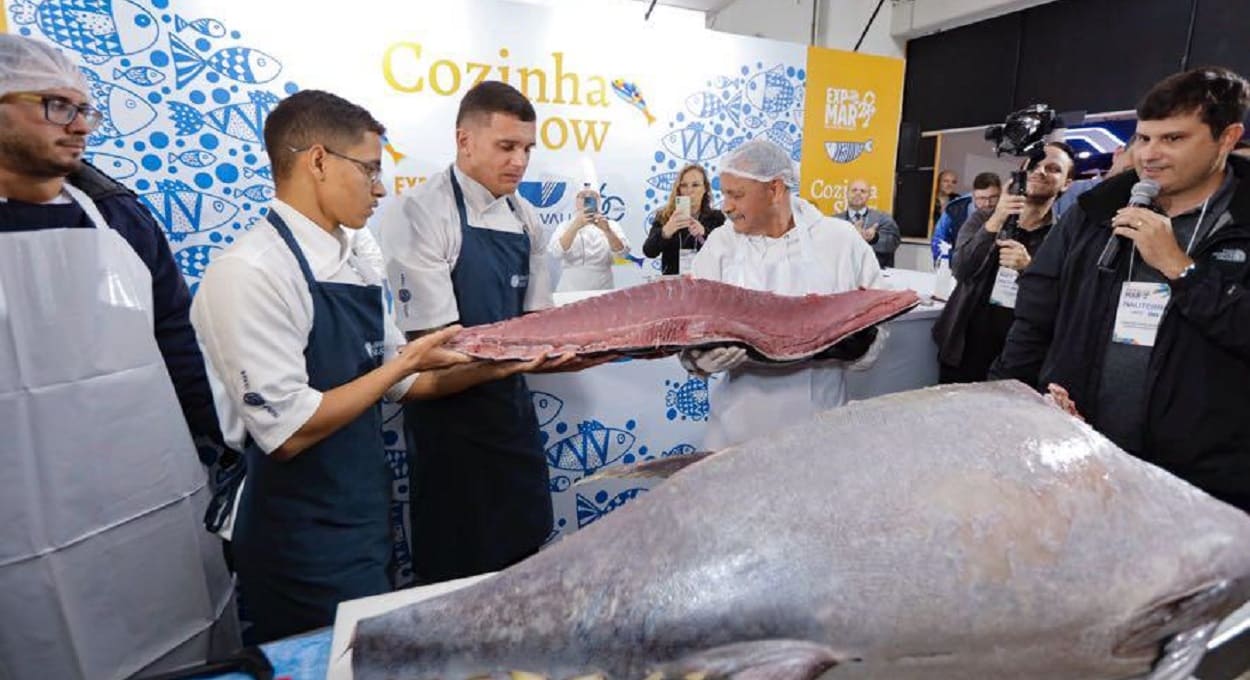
[(587, 264), (252, 316), (420, 236)]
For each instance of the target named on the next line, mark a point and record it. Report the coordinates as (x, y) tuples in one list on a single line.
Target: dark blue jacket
[(171, 299)]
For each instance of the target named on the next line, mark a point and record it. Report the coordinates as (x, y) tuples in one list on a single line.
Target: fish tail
[(187, 62), (650, 118), (179, 23), (186, 119), (394, 153)]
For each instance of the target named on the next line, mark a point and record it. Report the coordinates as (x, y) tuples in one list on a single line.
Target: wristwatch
[(1185, 272)]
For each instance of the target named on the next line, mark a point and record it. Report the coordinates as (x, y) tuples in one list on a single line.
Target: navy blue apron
[(480, 498), (314, 531)]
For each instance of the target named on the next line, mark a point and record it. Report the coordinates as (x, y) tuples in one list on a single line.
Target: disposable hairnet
[(28, 65), (762, 161)]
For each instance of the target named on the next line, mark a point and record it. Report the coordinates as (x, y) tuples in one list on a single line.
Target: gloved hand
[(708, 361)]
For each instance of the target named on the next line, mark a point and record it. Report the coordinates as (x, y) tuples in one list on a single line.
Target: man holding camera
[(990, 253), (1153, 349)]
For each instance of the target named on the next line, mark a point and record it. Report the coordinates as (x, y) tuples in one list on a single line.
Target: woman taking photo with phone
[(586, 246), (681, 226)]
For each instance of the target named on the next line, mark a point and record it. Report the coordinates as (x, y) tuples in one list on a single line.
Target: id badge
[(1140, 310), (685, 263), (1005, 288)]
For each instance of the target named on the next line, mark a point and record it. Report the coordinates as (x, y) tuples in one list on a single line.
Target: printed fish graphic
[(209, 27), (688, 399), (593, 447), (559, 483), (632, 96), (629, 259), (679, 450), (193, 260), (695, 144), (546, 406), (125, 112), (117, 167), (98, 29), (196, 158), (263, 173), (771, 91), (708, 104), (845, 152), (590, 510), (244, 64), (258, 192), (787, 136), (663, 181), (140, 75), (245, 121), (391, 151), (183, 210)]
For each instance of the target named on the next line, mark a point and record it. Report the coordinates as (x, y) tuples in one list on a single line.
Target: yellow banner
[(4, 18), (850, 126)]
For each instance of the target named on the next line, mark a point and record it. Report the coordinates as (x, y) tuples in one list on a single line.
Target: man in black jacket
[(1155, 352)]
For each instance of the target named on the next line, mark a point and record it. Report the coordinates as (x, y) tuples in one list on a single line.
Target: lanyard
[(1132, 258)]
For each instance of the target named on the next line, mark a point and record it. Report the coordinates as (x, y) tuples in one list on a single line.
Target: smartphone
[(683, 205), (590, 203)]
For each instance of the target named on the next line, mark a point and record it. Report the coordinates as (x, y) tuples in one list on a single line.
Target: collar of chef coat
[(326, 252), (478, 199)]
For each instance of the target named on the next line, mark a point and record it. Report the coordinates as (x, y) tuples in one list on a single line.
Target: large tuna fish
[(961, 532)]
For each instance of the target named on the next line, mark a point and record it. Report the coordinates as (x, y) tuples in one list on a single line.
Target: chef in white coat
[(586, 246), (777, 244)]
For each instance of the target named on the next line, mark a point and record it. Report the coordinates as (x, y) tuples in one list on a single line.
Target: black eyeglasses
[(59, 110), (373, 171)]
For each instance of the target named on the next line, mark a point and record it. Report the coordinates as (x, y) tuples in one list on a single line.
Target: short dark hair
[(313, 117), (1219, 95), (492, 96), (1067, 149), (985, 180)]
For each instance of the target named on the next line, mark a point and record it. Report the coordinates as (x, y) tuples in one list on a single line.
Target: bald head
[(857, 194)]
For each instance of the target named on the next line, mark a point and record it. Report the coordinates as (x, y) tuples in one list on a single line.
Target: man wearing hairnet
[(781, 244), (105, 568)]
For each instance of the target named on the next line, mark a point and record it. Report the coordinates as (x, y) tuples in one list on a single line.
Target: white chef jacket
[(819, 255), (252, 316), (587, 264), (420, 237)]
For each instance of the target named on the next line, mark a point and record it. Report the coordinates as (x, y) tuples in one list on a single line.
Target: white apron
[(105, 566), (753, 400)]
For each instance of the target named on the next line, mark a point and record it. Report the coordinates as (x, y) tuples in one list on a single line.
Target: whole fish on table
[(870, 542)]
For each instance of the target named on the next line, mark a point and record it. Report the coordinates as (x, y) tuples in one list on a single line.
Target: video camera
[(1023, 134)]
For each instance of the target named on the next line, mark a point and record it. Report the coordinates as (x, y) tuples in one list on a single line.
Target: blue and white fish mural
[(845, 152), (209, 27), (696, 144), (593, 447), (687, 400), (193, 260), (144, 76), (679, 450), (258, 192), (663, 181), (263, 173), (125, 112), (245, 121), (771, 91), (184, 211), (97, 29), (590, 510), (117, 167), (546, 406), (787, 136), (243, 64), (195, 158), (708, 104)]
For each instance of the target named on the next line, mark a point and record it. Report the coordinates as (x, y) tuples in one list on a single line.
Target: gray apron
[(105, 567)]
